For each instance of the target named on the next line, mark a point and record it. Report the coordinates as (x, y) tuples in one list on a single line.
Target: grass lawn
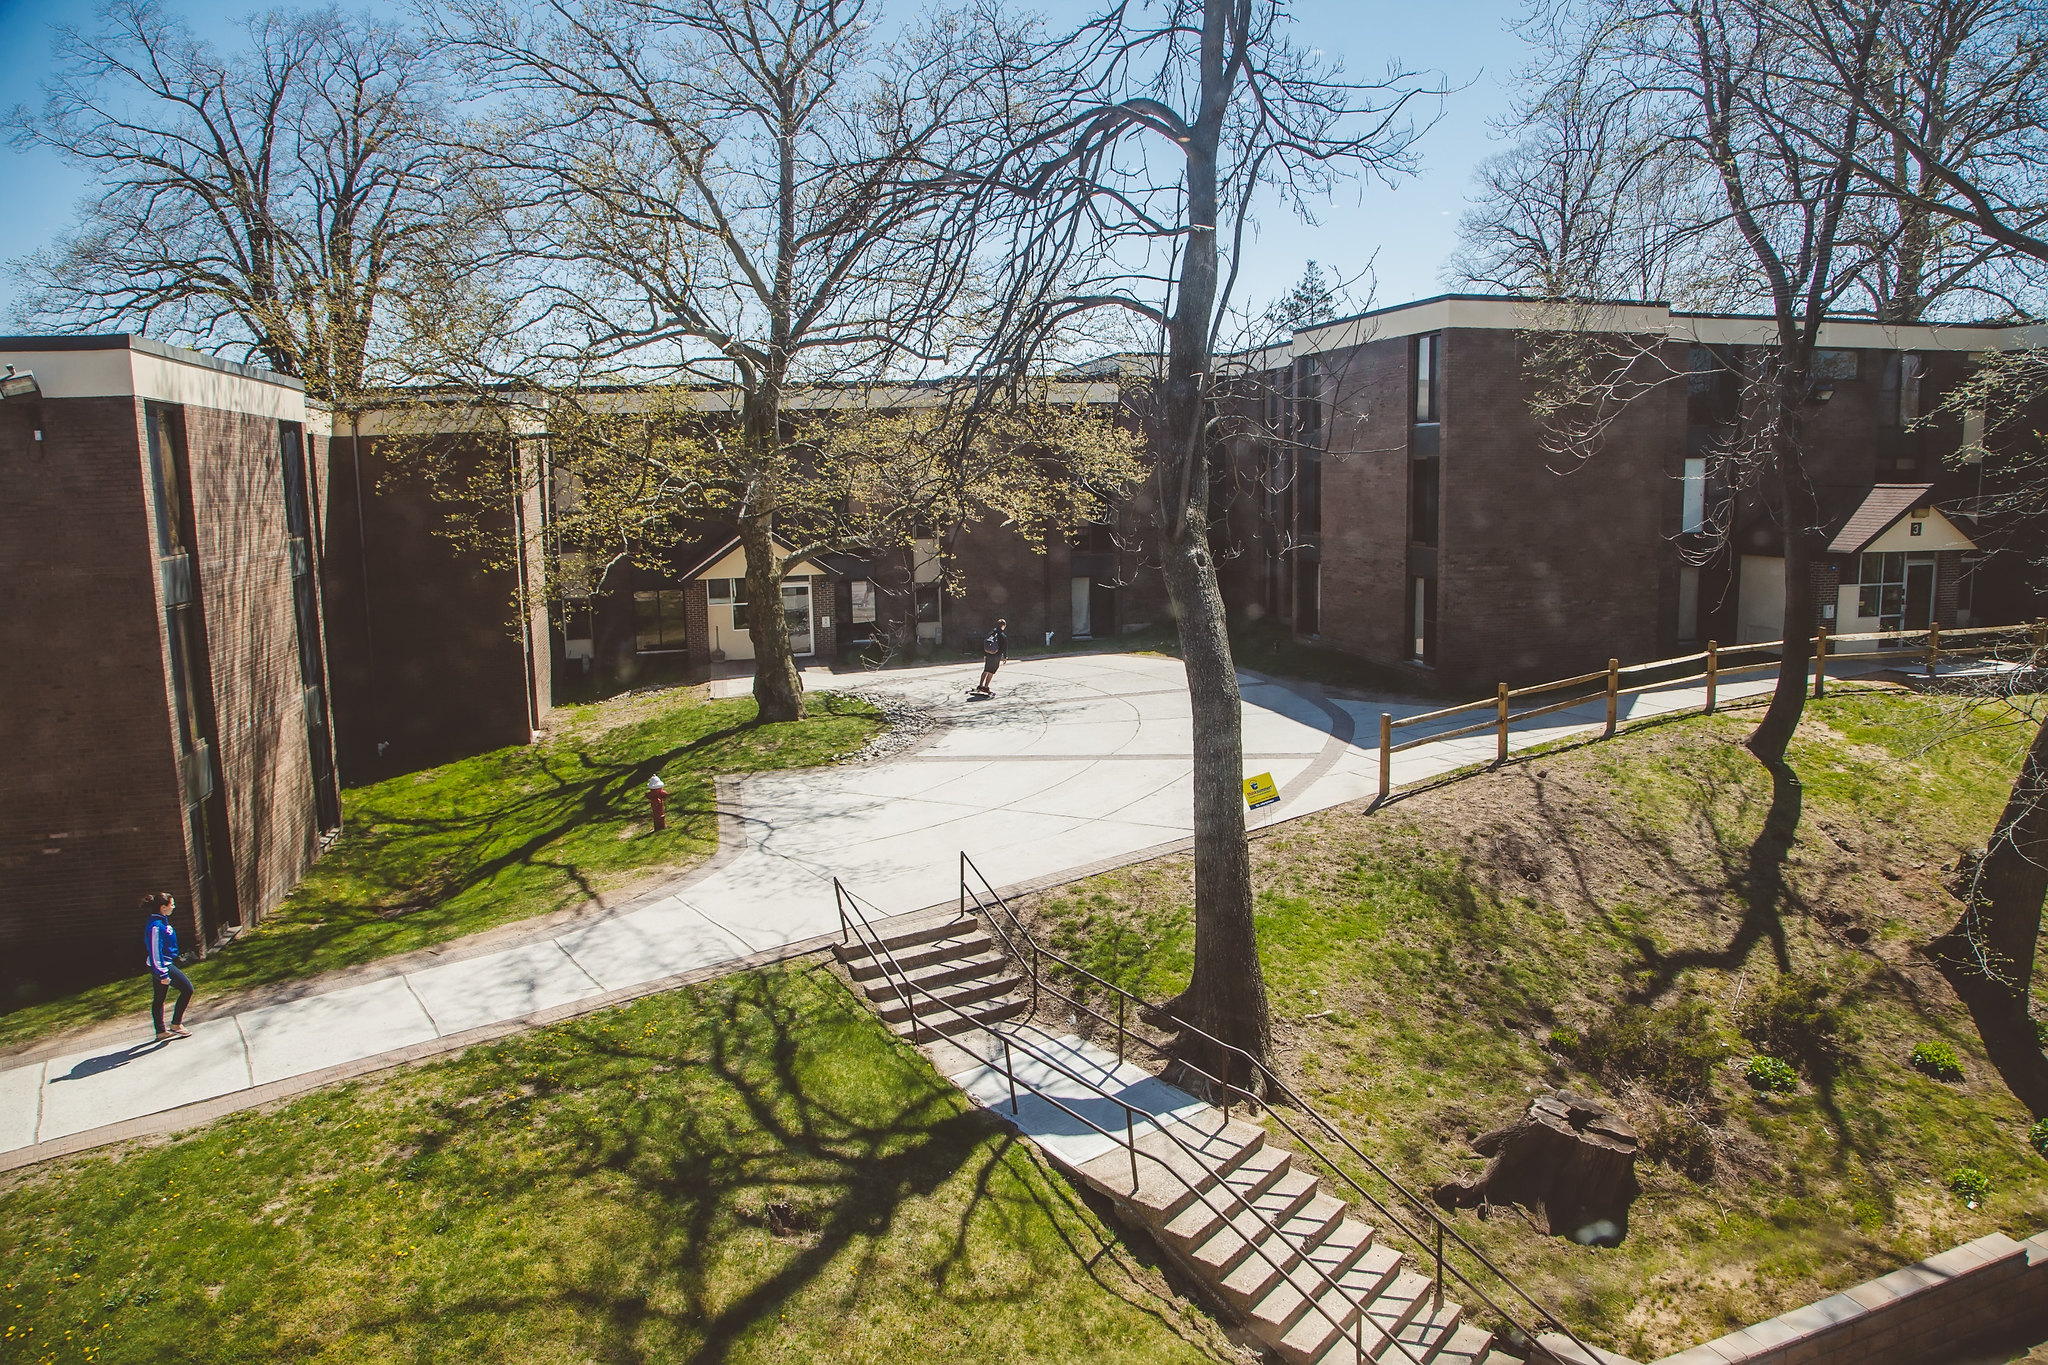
[(503, 836), (1430, 964), (748, 1171)]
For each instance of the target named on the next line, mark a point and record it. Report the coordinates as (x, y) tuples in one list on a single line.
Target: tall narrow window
[(298, 519), (1422, 620), (1688, 603), (1692, 503), (1308, 501), (1427, 388), (1910, 368), (1308, 399), (1423, 478)]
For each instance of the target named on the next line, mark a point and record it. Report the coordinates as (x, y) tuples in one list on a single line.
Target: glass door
[(796, 609)]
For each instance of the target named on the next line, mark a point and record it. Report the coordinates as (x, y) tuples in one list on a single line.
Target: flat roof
[(129, 341)]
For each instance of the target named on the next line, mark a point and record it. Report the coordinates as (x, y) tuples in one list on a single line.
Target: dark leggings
[(163, 988)]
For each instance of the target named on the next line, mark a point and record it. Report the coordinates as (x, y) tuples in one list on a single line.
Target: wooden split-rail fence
[(1929, 647)]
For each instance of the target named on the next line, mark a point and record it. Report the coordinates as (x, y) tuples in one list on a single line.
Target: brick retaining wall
[(1924, 1312)]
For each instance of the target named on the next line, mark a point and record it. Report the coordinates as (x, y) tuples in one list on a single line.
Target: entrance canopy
[(1898, 516)]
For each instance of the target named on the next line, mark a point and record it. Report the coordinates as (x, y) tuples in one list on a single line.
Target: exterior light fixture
[(1823, 393), (19, 384)]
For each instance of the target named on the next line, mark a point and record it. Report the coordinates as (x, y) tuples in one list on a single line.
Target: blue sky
[(1411, 227)]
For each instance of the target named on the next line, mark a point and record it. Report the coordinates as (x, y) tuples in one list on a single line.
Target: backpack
[(993, 644)]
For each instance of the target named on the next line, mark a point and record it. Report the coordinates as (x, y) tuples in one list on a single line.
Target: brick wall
[(91, 797), (431, 662), (262, 758), (1365, 501), (1928, 1311), (89, 809)]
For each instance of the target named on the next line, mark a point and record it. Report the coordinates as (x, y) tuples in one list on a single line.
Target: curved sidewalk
[(1077, 764)]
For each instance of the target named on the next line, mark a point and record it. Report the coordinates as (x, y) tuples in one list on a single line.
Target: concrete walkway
[(1078, 763)]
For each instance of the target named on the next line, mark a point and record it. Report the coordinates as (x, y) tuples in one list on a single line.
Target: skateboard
[(976, 694)]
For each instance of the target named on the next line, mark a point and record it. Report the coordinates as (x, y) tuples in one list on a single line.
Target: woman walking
[(160, 944)]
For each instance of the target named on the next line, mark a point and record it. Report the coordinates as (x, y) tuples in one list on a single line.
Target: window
[(1308, 598), (658, 621), (1423, 477), (1710, 390), (1688, 603), (173, 480), (1308, 397), (863, 601), (1427, 388), (724, 590), (1897, 589), (1692, 503), (1839, 367), (1422, 620), (1900, 401), (1308, 499)]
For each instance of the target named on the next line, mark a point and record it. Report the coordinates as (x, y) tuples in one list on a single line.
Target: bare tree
[(1734, 89), (1958, 107), (1153, 138), (263, 201), (741, 195), (1586, 205)]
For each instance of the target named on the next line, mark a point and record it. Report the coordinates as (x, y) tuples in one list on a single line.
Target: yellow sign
[(1260, 791)]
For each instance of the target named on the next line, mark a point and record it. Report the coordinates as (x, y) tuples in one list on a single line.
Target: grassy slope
[(1442, 939), (749, 1171), (500, 837)]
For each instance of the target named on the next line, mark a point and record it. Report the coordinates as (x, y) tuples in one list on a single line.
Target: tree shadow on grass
[(403, 877), (1766, 895), (780, 1148)]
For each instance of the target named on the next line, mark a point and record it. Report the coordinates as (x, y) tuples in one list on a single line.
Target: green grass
[(500, 837), (1420, 959), (748, 1171)]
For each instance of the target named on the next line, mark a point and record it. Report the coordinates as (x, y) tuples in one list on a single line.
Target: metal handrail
[(857, 924), (1275, 1085)]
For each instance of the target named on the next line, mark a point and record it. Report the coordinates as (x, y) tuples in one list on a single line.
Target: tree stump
[(1568, 1156)]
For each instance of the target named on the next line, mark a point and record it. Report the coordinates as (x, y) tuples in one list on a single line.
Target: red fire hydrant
[(657, 801)]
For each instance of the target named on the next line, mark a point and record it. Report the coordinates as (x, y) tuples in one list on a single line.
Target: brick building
[(438, 649), (1408, 515), (163, 684)]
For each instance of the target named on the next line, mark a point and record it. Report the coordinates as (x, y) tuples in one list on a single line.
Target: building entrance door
[(796, 609), (1919, 593)]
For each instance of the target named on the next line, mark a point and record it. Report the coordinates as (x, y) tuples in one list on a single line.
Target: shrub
[(1564, 1040), (1938, 1060), (1792, 1017), (1768, 1073), (1969, 1183), (2038, 1135), (1672, 1050), (2041, 1032)]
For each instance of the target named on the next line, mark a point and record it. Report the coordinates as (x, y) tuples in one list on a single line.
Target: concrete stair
[(1313, 1284), (937, 979)]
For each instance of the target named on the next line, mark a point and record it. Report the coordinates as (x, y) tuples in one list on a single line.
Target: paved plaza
[(1077, 763)]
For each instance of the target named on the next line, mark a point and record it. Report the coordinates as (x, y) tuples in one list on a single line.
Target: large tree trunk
[(1800, 511), (778, 690), (1990, 951), (1226, 996)]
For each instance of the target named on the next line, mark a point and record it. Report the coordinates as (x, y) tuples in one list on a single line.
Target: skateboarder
[(994, 650), (160, 946)]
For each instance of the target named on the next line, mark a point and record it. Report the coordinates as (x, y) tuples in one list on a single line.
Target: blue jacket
[(160, 943)]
